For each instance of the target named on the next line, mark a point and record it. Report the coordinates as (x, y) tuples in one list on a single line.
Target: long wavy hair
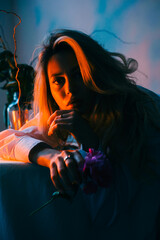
[(121, 112)]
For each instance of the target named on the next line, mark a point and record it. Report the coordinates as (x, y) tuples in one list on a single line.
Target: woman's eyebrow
[(74, 69), (56, 74)]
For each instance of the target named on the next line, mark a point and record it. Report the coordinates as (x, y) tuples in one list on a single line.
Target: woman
[(84, 91)]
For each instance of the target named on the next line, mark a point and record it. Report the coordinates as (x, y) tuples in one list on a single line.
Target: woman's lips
[(74, 103)]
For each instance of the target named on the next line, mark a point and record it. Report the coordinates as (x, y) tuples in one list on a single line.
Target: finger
[(55, 177), (62, 119), (55, 114), (73, 170), (67, 118), (72, 158), (66, 115), (54, 127), (63, 173), (78, 158), (80, 162)]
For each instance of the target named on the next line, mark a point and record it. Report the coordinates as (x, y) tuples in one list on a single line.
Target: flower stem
[(54, 196)]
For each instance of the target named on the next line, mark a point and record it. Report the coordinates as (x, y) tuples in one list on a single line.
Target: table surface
[(24, 187)]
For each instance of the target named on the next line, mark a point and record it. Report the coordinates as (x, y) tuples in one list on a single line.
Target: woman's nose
[(70, 85)]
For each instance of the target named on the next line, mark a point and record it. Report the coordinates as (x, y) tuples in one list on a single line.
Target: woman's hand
[(71, 121), (63, 167)]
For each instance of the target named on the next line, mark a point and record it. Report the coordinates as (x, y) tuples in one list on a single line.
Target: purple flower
[(96, 171)]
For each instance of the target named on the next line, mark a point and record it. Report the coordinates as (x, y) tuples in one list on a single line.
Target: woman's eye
[(58, 81)]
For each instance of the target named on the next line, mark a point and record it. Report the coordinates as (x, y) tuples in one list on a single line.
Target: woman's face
[(66, 83)]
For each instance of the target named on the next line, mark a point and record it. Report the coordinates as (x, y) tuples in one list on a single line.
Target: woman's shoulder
[(154, 96)]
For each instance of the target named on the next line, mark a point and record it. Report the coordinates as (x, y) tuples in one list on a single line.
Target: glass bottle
[(14, 119)]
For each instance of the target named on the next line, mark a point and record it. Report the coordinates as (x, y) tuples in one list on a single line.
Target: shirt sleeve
[(17, 144)]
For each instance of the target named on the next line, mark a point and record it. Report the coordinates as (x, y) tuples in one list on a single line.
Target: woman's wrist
[(41, 154), (45, 156)]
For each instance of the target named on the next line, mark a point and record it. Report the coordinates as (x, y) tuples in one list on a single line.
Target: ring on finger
[(67, 157)]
